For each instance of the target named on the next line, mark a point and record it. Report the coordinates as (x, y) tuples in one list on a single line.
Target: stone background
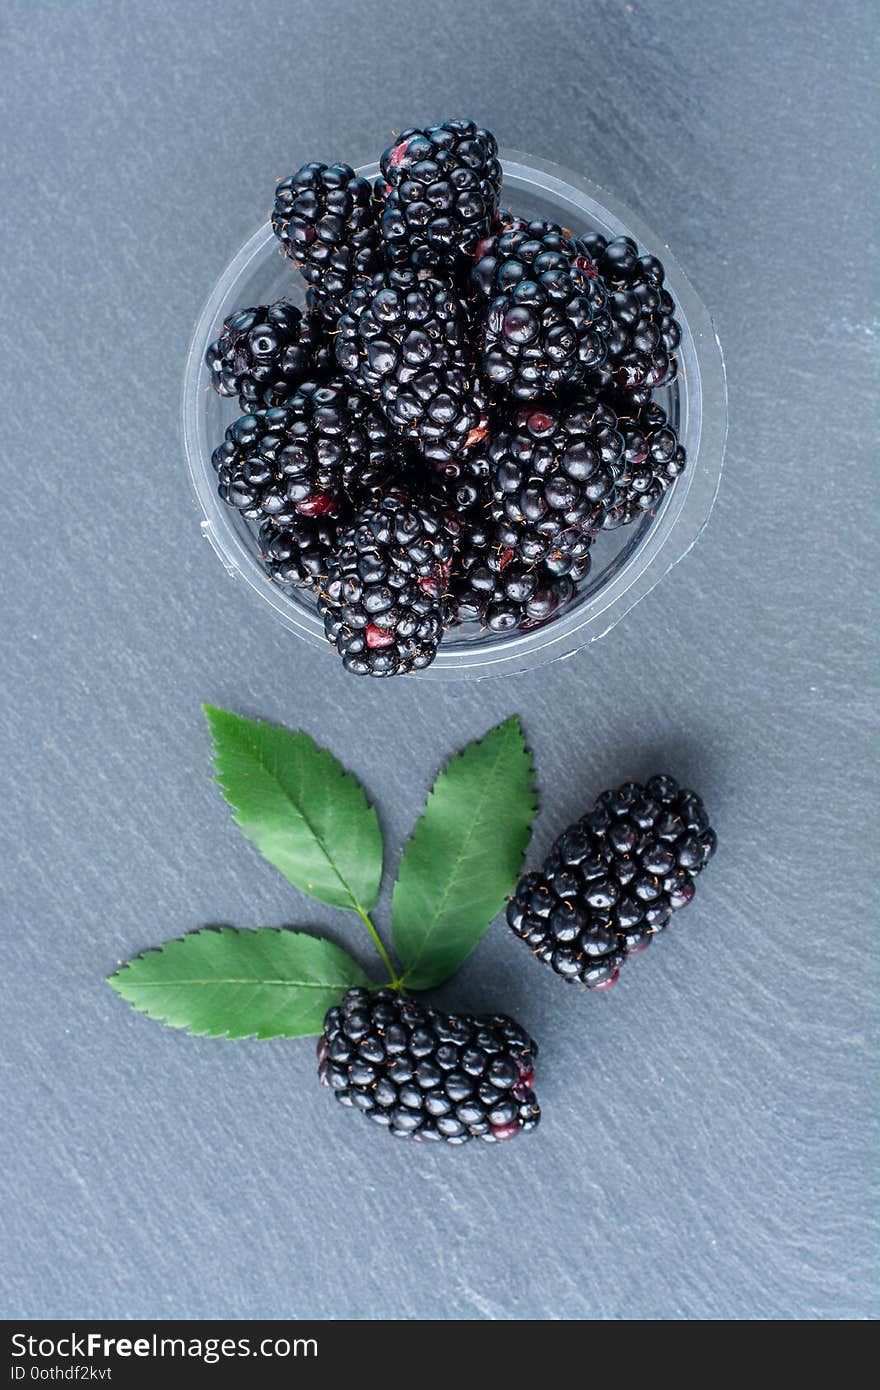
[(707, 1127)]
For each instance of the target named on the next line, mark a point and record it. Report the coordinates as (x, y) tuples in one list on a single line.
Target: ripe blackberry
[(298, 554), (326, 447), (263, 354), (508, 575), (441, 193), (492, 587), (384, 602), (544, 325), (326, 218), (561, 551), (613, 880), (404, 338), (644, 334), (652, 460), (427, 1075), (520, 250), (555, 465)]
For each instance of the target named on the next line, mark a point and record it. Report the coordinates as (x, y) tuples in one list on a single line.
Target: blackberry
[(326, 218), (520, 250), (384, 602), (298, 554), (441, 193), (613, 880), (508, 575), (326, 447), (404, 338), (427, 1075), (652, 460), (561, 551), (644, 333), (263, 354), (491, 587), (555, 465), (544, 325)]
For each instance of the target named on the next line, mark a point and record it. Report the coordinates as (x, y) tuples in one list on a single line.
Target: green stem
[(393, 979)]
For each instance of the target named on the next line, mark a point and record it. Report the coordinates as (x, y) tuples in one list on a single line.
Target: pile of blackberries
[(462, 404)]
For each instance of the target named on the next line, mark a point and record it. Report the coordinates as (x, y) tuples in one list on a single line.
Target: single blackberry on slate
[(326, 447), (555, 465), (299, 553), (326, 218), (384, 601), (652, 460), (404, 338), (644, 334), (544, 325), (613, 879), (441, 193), (263, 354), (427, 1075)]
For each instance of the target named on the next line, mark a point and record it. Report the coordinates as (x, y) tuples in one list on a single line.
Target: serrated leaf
[(240, 984), (303, 811), (464, 856)]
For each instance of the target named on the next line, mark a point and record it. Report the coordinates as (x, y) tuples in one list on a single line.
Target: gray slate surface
[(705, 1147)]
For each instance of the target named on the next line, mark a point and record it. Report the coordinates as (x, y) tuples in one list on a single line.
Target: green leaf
[(303, 811), (464, 856), (240, 984)]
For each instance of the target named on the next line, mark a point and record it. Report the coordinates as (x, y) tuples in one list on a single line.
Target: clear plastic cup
[(626, 563)]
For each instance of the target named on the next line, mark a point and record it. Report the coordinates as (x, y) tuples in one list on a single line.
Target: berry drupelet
[(326, 218), (612, 881), (384, 602), (441, 189), (427, 1075), (326, 448), (404, 338), (263, 354), (652, 460)]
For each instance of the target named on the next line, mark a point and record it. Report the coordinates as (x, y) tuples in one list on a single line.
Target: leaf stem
[(394, 979)]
